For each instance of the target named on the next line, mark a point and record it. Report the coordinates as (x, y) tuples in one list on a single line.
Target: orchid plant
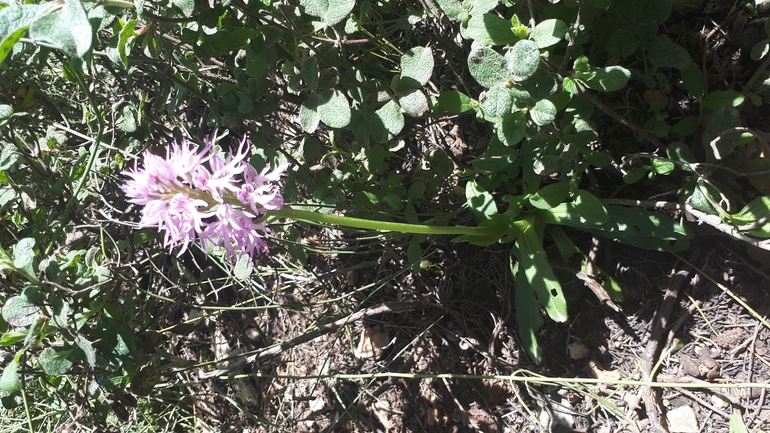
[(195, 194)]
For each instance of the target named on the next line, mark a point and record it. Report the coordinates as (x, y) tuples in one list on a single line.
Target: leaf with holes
[(533, 262), (528, 315)]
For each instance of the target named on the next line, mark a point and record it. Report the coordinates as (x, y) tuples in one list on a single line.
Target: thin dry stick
[(658, 331), (388, 307)]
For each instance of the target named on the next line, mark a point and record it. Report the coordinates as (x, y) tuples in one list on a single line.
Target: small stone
[(578, 350), (682, 420)]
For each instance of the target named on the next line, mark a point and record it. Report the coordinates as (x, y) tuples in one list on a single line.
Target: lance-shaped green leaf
[(387, 122), (480, 201), (528, 315), (533, 262), (637, 227)]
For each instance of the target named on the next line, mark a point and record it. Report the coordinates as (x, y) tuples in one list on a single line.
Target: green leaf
[(308, 114), (387, 122), (533, 262), (717, 143), (497, 102), (331, 12), (549, 32), (334, 108), (538, 86), (692, 78), (523, 60), (664, 53), (512, 129), (9, 381), (550, 196), (53, 363), (736, 423), (528, 315), (752, 212), (13, 337), (760, 50), (480, 201), (24, 256), (590, 209), (67, 28), (414, 103), (309, 72), (489, 29), (609, 79), (637, 227), (488, 67), (417, 66), (686, 126), (20, 312), (543, 113), (456, 102), (14, 22), (721, 98)]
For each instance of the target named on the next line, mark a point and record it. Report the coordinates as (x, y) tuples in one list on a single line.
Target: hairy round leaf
[(330, 12), (663, 52), (18, 311), (334, 108), (52, 363), (453, 101), (417, 65), (609, 79), (387, 122), (414, 103), (543, 113), (308, 114), (497, 102), (523, 60), (490, 29), (488, 67)]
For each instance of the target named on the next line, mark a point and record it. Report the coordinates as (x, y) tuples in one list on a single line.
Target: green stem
[(360, 223)]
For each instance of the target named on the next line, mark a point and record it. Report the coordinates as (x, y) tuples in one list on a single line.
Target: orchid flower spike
[(193, 193)]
